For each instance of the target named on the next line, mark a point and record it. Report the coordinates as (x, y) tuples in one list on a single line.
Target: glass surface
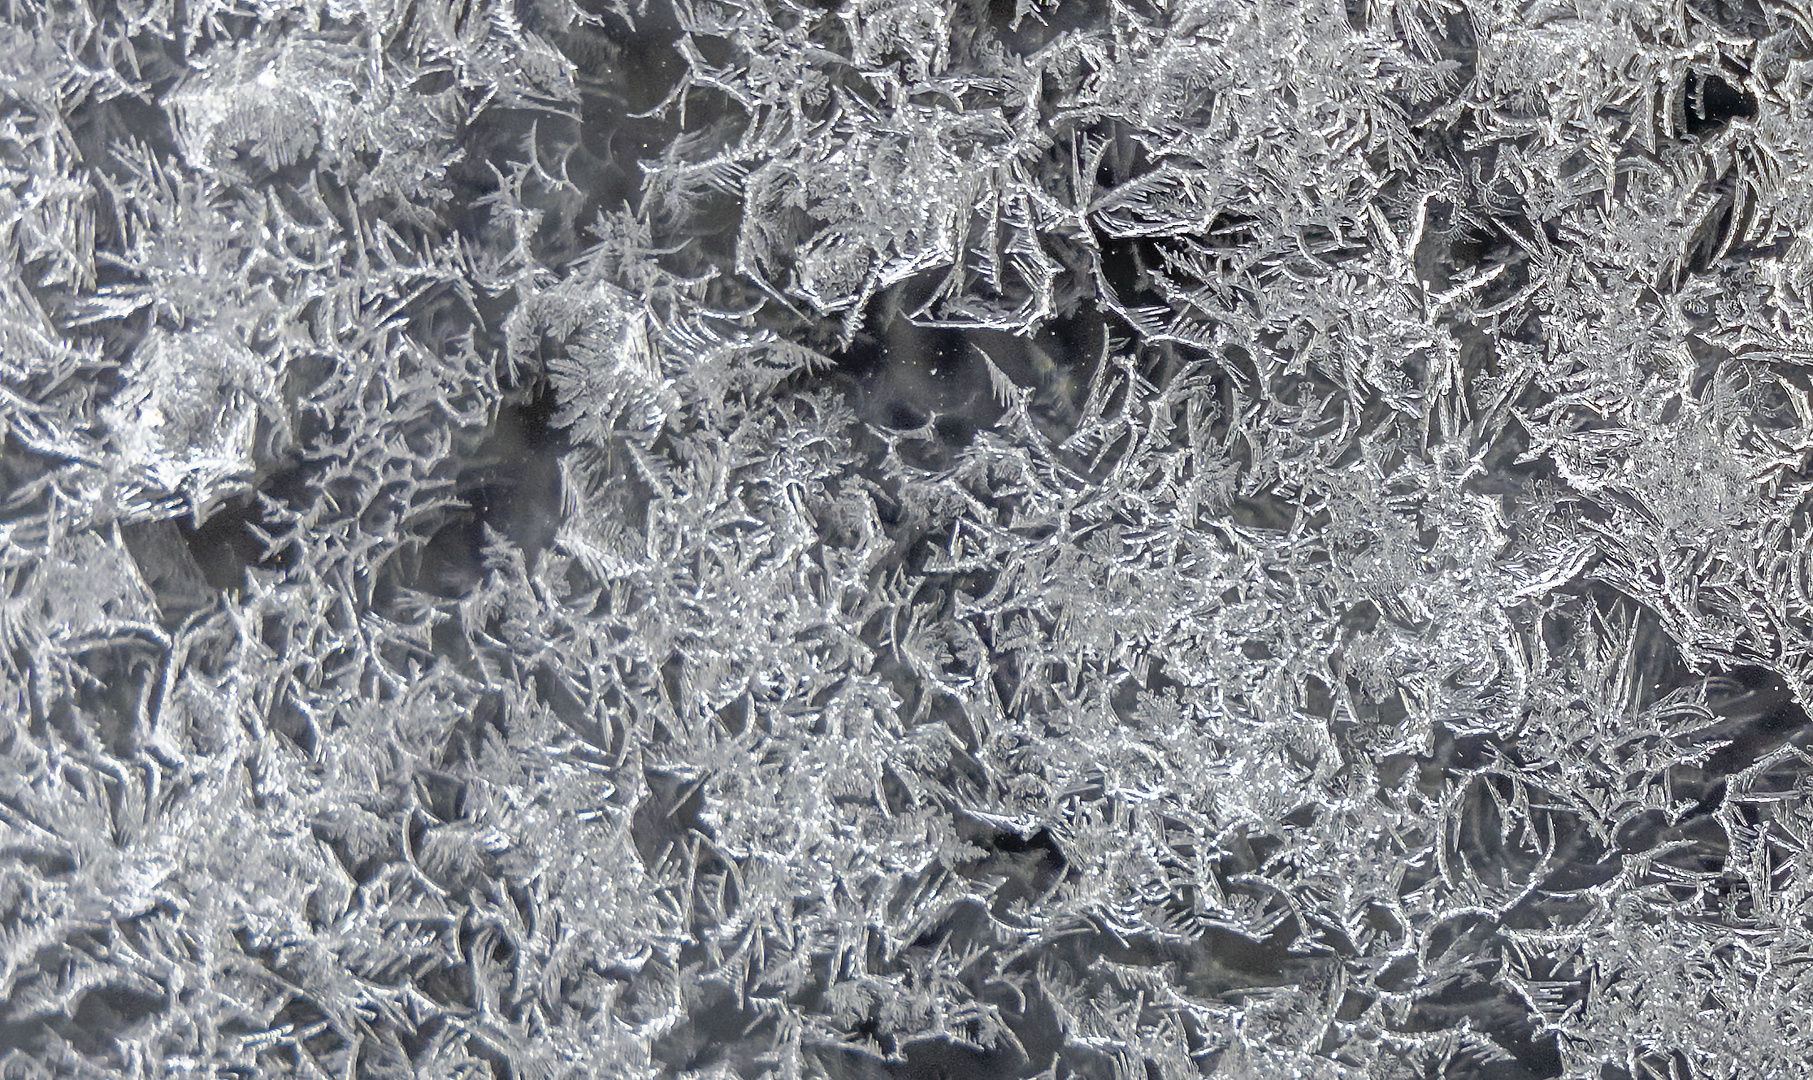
[(1123, 539)]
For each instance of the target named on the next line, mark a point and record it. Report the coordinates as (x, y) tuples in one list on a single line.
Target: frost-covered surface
[(906, 538)]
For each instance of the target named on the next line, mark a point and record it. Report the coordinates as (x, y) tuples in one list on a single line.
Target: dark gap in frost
[(1755, 714), (899, 374), (716, 1031), (627, 67), (1028, 866), (553, 692), (31, 1037), (1074, 340), (672, 810), (1026, 26), (1127, 265), (1745, 18), (511, 486), (1459, 46), (105, 1013), (1533, 1056), (225, 546), (902, 416), (1712, 103), (940, 1059), (122, 674)]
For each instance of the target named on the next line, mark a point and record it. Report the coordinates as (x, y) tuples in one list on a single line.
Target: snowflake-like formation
[(820, 539)]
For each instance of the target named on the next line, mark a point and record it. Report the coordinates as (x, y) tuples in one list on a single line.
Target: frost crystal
[(777, 539)]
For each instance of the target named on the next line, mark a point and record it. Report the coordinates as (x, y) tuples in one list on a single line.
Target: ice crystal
[(777, 539)]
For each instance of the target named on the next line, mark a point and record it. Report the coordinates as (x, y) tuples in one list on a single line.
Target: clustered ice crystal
[(734, 539)]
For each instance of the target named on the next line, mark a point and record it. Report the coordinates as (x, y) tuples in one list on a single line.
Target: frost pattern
[(769, 539)]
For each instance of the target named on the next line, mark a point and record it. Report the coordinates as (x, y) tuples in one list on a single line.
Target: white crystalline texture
[(187, 412), (778, 539)]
